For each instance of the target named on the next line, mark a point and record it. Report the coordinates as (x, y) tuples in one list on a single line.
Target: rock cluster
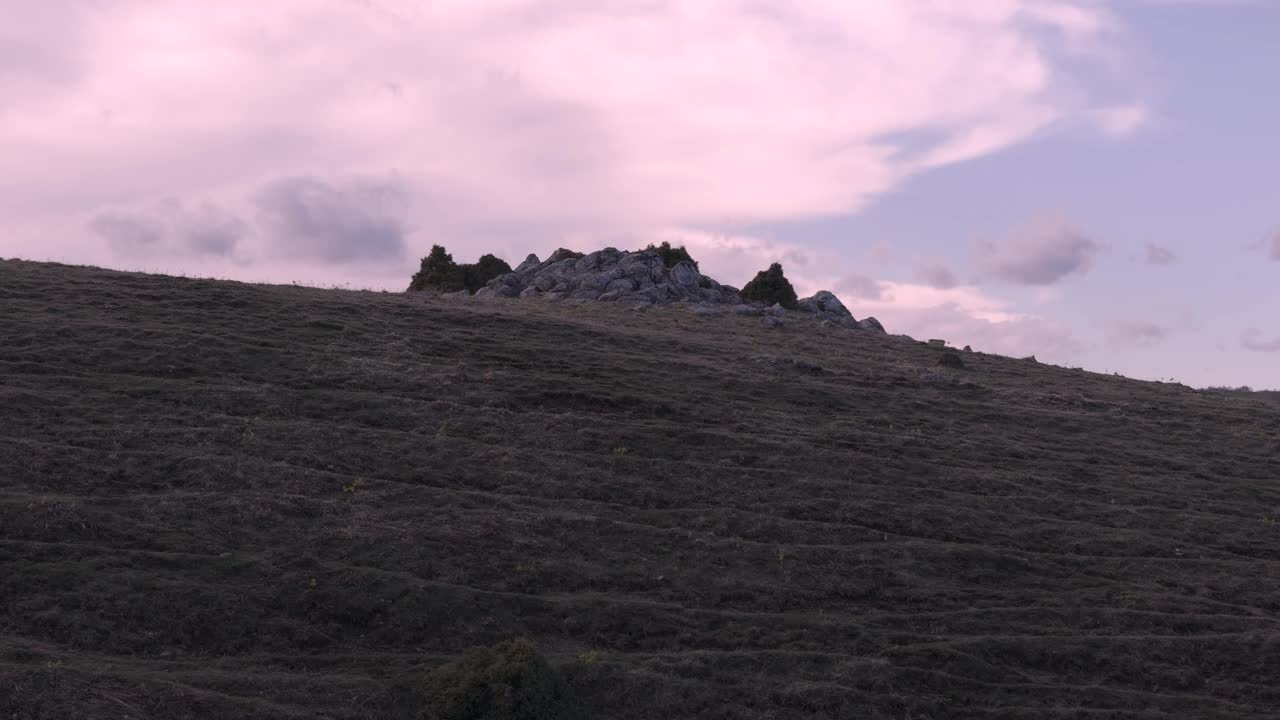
[(609, 274), (642, 278)]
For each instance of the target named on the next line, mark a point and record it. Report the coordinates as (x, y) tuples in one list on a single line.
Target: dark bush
[(769, 287), (440, 272), (951, 359), (485, 269), (565, 254), (510, 681), (672, 255)]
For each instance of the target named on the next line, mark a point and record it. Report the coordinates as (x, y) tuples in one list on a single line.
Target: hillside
[(227, 500)]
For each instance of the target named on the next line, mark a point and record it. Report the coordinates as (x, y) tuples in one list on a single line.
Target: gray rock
[(775, 310), (592, 282), (780, 364), (529, 263), (773, 321), (826, 303), (621, 285), (554, 296), (684, 275), (484, 293), (871, 323), (937, 343), (561, 255), (748, 310), (706, 311), (968, 349), (459, 295), (530, 292), (635, 277)]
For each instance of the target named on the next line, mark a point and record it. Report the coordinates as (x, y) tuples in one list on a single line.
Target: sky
[(1095, 183)]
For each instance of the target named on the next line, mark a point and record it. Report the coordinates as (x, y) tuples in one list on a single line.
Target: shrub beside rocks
[(672, 256), (440, 272), (769, 287)]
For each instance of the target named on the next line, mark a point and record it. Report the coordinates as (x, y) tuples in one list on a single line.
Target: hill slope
[(229, 500)]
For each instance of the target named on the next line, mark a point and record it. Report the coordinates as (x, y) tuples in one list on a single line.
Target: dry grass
[(227, 500)]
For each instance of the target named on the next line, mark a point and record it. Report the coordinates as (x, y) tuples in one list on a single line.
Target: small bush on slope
[(769, 287), (510, 681), (440, 272)]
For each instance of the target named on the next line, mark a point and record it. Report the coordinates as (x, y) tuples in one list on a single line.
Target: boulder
[(871, 323), (824, 302), (773, 321), (529, 263), (749, 310), (683, 275), (775, 310), (937, 343)]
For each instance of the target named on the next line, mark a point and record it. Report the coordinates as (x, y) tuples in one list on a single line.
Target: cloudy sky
[(1097, 183)]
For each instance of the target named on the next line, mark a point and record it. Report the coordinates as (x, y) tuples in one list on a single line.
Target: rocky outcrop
[(871, 324), (826, 306), (609, 275), (642, 279)]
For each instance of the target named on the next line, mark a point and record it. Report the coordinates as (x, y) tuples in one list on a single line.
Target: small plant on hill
[(485, 269), (440, 272), (510, 681), (671, 256), (769, 287)]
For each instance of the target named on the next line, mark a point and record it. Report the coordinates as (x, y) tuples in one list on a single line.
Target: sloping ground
[(226, 500)]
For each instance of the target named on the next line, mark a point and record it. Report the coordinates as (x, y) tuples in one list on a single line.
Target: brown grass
[(228, 500)]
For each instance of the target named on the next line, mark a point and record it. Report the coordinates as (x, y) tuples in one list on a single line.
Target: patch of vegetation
[(671, 256), (439, 272), (510, 681), (769, 287), (566, 254)]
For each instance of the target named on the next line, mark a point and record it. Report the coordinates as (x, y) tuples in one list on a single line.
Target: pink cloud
[(513, 121)]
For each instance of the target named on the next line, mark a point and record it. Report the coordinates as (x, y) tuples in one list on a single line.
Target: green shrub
[(440, 272), (485, 269), (769, 287), (510, 681), (672, 255)]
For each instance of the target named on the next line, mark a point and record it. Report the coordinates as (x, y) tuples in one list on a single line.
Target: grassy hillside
[(225, 500)]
